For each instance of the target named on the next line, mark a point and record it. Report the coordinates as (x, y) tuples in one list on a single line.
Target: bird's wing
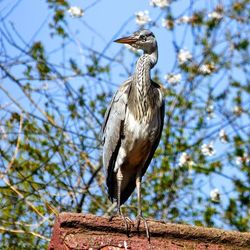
[(119, 99), (112, 129), (131, 186), (157, 139)]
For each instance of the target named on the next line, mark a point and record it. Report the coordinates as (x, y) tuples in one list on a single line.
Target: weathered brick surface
[(86, 231)]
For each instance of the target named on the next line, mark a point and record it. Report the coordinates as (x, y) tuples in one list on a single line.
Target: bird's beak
[(127, 40)]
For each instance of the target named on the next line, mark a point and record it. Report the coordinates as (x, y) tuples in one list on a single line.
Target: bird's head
[(142, 39)]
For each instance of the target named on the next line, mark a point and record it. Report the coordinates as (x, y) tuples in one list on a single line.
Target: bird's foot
[(127, 221), (138, 221)]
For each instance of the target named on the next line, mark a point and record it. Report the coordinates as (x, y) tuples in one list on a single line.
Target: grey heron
[(133, 125)]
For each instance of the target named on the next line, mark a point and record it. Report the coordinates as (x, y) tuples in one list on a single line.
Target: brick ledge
[(87, 231)]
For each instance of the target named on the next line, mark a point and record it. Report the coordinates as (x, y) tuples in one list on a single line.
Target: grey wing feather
[(116, 99), (157, 140), (112, 129)]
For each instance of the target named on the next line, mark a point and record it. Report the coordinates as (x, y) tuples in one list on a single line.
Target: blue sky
[(106, 18)]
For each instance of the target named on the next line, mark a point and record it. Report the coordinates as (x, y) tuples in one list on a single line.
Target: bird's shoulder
[(116, 110), (158, 92), (157, 85), (123, 89)]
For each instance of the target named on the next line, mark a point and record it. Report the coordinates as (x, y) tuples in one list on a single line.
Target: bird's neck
[(153, 56), (144, 65), (140, 92)]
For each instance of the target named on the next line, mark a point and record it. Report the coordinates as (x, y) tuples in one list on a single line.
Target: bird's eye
[(143, 37)]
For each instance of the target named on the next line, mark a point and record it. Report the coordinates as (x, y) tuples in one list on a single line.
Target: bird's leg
[(119, 184), (139, 211)]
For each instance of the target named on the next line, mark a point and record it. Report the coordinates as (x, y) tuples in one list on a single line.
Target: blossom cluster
[(160, 3), (185, 159), (207, 69), (223, 136), (167, 23), (173, 78), (75, 11), (142, 17), (216, 15), (184, 55), (3, 134), (245, 159), (183, 19), (208, 149), (237, 110), (215, 195), (210, 111)]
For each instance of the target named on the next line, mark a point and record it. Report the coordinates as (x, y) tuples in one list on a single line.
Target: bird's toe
[(127, 221), (138, 220)]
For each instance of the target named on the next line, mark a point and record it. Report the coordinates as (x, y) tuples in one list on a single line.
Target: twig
[(23, 232), (17, 145)]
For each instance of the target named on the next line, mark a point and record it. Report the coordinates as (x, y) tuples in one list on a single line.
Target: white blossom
[(208, 149), (239, 160), (167, 23), (207, 68), (3, 134), (223, 136), (215, 15), (215, 195), (75, 11), (173, 78), (160, 3), (185, 159), (210, 111), (204, 69), (45, 86), (237, 110), (183, 56), (142, 17), (183, 19)]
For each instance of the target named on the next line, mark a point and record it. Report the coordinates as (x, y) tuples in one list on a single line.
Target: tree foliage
[(52, 107)]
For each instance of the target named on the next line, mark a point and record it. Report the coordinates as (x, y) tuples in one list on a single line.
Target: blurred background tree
[(57, 78)]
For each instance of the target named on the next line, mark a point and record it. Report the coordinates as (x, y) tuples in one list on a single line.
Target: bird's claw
[(138, 221), (127, 221)]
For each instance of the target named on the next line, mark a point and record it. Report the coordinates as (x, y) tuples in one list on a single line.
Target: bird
[(133, 125)]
